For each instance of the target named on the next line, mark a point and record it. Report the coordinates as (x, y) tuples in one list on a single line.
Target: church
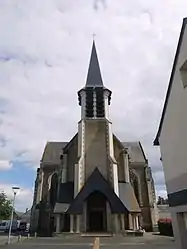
[(95, 182)]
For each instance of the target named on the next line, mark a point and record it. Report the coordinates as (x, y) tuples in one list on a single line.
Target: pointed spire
[(94, 74)]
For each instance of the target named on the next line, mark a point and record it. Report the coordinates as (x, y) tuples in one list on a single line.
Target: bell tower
[(94, 98), (95, 137)]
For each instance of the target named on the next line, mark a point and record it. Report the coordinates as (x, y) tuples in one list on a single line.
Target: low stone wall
[(163, 211)]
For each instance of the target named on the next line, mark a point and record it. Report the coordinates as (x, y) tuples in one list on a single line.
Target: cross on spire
[(94, 74)]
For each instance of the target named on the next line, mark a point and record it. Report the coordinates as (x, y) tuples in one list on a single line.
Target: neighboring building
[(24, 216), (95, 182), (172, 138)]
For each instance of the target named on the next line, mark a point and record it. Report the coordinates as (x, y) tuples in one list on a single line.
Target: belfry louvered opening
[(89, 103), (100, 108)]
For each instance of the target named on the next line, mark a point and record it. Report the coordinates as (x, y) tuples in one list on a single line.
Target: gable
[(90, 187)]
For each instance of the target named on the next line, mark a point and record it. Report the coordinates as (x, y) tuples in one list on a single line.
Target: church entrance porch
[(96, 212)]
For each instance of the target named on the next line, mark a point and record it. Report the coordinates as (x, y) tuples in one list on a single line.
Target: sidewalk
[(4, 239)]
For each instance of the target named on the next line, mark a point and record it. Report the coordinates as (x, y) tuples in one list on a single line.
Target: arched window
[(135, 185), (53, 190)]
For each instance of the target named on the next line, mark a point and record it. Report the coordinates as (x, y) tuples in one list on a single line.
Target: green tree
[(5, 207)]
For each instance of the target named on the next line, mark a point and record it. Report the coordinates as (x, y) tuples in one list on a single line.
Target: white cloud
[(44, 54), (23, 198), (5, 165), (162, 192)]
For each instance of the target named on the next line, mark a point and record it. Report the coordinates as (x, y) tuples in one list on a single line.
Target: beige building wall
[(173, 137), (173, 145), (118, 155)]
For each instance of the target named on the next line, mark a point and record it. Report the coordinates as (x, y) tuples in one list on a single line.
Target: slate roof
[(102, 186), (135, 151), (61, 208), (52, 152), (156, 141), (94, 74), (127, 196)]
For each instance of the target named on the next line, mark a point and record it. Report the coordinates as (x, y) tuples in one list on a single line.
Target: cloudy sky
[(44, 56)]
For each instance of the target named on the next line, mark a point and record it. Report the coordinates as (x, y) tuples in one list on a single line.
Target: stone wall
[(72, 159), (95, 147)]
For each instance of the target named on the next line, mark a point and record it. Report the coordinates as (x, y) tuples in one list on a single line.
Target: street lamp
[(15, 191)]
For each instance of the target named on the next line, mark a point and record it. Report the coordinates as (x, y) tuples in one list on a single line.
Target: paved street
[(118, 242)]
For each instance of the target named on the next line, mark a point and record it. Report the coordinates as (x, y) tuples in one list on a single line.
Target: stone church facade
[(94, 182)]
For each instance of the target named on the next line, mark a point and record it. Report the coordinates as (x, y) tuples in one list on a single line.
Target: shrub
[(165, 227)]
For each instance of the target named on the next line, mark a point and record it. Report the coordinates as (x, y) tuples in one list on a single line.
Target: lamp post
[(15, 191)]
